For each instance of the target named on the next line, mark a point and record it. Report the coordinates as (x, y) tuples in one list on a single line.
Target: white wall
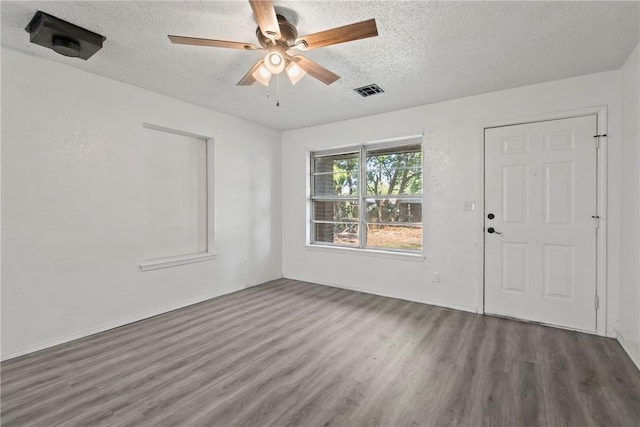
[(629, 326), (0, 209), (453, 149), (72, 204)]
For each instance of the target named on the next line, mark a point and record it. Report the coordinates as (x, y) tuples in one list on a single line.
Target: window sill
[(367, 252), (156, 264)]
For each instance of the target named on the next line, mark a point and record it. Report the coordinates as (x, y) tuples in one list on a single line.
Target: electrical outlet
[(435, 277)]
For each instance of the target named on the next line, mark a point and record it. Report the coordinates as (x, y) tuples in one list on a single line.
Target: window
[(177, 201), (368, 197)]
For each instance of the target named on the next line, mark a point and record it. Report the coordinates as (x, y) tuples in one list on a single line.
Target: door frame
[(601, 202)]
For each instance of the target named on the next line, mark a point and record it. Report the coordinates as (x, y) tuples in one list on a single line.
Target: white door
[(540, 233)]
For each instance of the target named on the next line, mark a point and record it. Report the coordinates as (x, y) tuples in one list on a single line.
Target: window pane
[(336, 211), (336, 184), (394, 236), (395, 170), (338, 163), (345, 234), (336, 175), (394, 210)]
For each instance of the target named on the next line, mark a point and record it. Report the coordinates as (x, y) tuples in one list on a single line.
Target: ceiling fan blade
[(248, 78), (357, 31), (266, 17), (314, 69), (193, 41)]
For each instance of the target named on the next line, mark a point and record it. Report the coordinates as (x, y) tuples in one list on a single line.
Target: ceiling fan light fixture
[(262, 75), (274, 60), (294, 72)]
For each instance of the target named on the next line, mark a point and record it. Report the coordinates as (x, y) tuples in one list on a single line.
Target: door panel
[(559, 270), (515, 276), (515, 184), (540, 183)]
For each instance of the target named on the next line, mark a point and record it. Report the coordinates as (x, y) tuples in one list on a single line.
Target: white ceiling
[(426, 51)]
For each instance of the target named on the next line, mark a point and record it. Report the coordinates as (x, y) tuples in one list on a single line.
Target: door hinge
[(597, 137), (597, 302), (596, 219)]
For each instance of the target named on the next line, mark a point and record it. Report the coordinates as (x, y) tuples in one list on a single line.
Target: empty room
[(320, 213)]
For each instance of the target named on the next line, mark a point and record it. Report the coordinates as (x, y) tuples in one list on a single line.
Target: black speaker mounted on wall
[(63, 37)]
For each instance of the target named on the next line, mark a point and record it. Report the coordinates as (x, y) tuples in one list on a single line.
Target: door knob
[(492, 230)]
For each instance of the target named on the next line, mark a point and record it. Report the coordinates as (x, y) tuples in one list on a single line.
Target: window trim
[(379, 253), (210, 253), (361, 197), (156, 264)]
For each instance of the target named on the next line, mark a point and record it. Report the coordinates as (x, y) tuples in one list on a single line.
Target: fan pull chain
[(277, 90)]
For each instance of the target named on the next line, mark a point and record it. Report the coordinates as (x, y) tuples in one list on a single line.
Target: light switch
[(470, 206)]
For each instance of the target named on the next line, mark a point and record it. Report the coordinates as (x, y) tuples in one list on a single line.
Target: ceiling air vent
[(369, 90)]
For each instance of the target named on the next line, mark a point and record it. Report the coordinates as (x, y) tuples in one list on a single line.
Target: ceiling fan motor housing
[(288, 34)]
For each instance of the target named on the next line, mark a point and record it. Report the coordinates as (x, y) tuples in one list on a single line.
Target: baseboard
[(119, 323), (388, 295), (635, 357)]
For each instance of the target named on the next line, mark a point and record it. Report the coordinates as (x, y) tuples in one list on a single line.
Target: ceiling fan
[(278, 37)]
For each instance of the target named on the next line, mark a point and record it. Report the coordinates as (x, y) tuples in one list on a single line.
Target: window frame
[(209, 253), (362, 196), (333, 198)]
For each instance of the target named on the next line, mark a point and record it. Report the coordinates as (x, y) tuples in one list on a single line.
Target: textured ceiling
[(426, 51)]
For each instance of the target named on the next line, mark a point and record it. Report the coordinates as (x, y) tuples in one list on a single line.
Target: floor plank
[(288, 353)]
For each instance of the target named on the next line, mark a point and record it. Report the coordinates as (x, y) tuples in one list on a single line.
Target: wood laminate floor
[(288, 353)]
